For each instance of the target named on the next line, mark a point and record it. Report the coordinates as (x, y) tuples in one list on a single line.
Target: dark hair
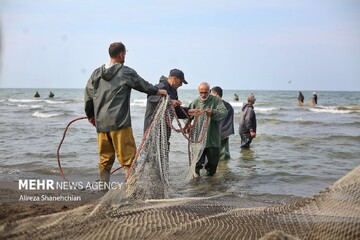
[(218, 90), (116, 48)]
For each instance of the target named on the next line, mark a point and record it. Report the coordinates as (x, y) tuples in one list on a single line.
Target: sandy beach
[(18, 204)]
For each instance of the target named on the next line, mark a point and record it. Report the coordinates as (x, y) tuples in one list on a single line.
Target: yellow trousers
[(120, 142)]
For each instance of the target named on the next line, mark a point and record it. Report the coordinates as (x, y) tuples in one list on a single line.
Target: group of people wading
[(107, 106)]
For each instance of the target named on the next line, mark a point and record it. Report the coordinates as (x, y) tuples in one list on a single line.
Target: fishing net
[(143, 207), (148, 177)]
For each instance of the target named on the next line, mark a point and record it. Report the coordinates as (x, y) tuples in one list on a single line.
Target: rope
[(61, 142), (170, 109), (191, 126)]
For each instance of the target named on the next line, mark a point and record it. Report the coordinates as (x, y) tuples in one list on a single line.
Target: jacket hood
[(246, 106), (163, 79), (109, 73)]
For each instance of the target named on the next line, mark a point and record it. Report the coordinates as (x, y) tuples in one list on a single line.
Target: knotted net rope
[(142, 207)]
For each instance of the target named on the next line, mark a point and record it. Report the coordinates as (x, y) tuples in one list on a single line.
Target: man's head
[(176, 78), (204, 90), (251, 98), (217, 91), (117, 52)]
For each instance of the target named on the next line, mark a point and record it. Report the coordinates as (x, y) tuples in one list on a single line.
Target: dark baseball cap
[(178, 73)]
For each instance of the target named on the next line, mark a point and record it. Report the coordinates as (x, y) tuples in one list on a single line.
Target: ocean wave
[(37, 101), (56, 102), (24, 100), (139, 102), (305, 122), (270, 121), (355, 107), (45, 115), (237, 104), (10, 171), (36, 106), (274, 119), (338, 138), (30, 106), (336, 109), (292, 122), (23, 105), (266, 109)]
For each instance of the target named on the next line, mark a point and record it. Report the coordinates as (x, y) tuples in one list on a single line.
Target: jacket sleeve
[(249, 120), (219, 112), (138, 83), (88, 99), (181, 112)]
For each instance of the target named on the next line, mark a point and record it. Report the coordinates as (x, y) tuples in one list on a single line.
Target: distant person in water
[(300, 99), (51, 95), (236, 97), (314, 99), (37, 94), (247, 123)]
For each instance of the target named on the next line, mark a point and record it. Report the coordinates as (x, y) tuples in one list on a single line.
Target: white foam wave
[(265, 110), (24, 100), (22, 105), (139, 102), (331, 109), (45, 115), (31, 106), (237, 104), (36, 106), (55, 102), (36, 101)]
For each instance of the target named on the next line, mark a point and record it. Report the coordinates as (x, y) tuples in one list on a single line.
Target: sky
[(307, 45)]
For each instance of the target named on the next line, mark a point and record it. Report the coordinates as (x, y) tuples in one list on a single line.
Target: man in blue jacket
[(175, 80)]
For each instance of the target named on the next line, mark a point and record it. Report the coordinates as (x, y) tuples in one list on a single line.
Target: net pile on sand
[(124, 214)]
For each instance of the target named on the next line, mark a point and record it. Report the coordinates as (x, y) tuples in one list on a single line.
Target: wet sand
[(18, 204)]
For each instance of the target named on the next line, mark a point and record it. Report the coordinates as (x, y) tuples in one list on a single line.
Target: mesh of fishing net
[(142, 208)]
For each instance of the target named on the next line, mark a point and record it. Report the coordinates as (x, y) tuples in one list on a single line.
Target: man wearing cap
[(247, 123), (170, 84)]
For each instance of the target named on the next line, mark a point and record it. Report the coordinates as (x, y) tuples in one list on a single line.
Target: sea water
[(298, 151)]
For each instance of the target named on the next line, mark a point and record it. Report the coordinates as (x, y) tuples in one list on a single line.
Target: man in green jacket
[(107, 106), (217, 111)]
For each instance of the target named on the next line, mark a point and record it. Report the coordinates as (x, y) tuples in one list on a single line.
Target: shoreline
[(18, 204)]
